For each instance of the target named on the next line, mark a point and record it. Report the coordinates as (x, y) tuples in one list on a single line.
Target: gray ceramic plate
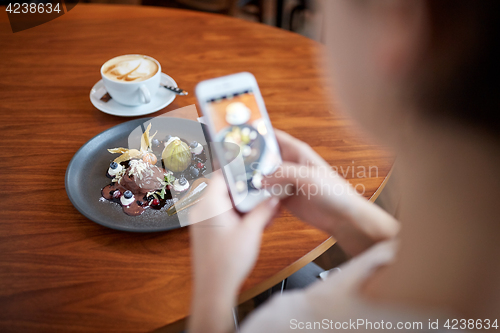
[(86, 173)]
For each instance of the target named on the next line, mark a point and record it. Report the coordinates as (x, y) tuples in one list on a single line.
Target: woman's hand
[(315, 193), (224, 251)]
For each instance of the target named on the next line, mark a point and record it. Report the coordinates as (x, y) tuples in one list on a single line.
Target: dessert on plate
[(157, 175)]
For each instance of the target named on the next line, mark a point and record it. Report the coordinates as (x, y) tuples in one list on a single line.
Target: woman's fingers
[(296, 151), (260, 216), (215, 202), (288, 146), (289, 174), (291, 179)]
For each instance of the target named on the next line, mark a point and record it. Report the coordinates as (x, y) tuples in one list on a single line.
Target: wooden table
[(60, 272)]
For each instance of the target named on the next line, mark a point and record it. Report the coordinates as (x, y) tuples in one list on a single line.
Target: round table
[(61, 272)]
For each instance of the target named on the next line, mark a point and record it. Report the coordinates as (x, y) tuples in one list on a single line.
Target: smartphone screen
[(238, 122)]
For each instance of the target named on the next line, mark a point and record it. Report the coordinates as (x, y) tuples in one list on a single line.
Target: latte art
[(129, 68)]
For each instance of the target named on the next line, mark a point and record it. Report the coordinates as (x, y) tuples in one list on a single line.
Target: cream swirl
[(198, 149), (115, 171), (125, 201), (130, 68), (180, 188)]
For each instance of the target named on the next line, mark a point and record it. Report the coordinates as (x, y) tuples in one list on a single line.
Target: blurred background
[(301, 16)]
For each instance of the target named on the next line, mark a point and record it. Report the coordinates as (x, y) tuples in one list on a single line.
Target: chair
[(226, 7)]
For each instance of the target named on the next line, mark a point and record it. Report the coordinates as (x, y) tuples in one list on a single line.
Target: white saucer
[(162, 98)]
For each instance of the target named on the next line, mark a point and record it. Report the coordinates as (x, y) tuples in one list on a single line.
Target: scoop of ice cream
[(141, 177)]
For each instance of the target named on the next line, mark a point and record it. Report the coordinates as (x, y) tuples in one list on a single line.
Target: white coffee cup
[(134, 92)]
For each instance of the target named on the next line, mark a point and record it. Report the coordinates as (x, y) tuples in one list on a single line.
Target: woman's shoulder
[(323, 299), (336, 304)]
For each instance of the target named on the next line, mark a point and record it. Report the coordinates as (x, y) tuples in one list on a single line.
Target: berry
[(155, 202), (150, 158), (169, 187), (194, 172), (113, 165), (182, 181), (127, 194), (117, 194), (200, 165), (168, 137), (139, 203), (193, 144)]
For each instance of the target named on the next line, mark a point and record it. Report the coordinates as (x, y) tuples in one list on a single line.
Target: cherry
[(117, 194), (155, 202), (200, 165), (169, 187)]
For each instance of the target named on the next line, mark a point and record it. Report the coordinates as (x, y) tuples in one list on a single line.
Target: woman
[(421, 76)]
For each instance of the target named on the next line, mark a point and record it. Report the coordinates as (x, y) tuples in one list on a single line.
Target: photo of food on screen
[(237, 119)]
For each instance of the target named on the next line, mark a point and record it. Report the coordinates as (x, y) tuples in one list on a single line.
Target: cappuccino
[(130, 68)]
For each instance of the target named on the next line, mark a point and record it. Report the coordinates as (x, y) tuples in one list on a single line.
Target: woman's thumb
[(260, 216), (287, 175)]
